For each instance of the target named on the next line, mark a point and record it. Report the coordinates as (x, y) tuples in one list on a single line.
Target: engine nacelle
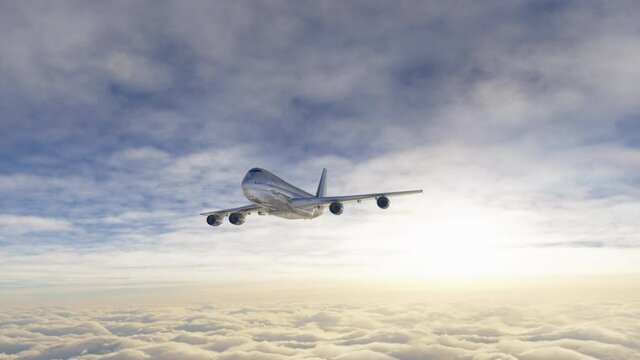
[(214, 220), (336, 208), (383, 202), (236, 218)]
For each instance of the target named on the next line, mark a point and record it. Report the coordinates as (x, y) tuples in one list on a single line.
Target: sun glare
[(471, 242)]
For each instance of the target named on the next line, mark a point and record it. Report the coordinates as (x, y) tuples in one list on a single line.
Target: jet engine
[(236, 218), (383, 202), (214, 220), (336, 208)]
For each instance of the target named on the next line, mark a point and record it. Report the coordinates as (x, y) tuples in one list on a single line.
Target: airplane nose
[(248, 191)]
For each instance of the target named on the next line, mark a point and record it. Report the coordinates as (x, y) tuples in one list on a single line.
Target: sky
[(121, 121)]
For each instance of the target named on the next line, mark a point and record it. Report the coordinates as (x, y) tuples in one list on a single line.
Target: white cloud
[(554, 353), (16, 224), (137, 72), (485, 329)]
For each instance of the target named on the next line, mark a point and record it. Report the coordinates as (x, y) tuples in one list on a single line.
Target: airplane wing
[(247, 209), (315, 201)]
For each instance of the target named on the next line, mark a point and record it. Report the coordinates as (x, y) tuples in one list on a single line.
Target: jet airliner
[(271, 195)]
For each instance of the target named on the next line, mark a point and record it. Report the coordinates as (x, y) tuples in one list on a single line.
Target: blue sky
[(121, 121)]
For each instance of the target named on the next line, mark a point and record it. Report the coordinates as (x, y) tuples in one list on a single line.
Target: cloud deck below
[(431, 330)]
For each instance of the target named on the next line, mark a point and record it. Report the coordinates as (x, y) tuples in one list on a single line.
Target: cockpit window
[(253, 172)]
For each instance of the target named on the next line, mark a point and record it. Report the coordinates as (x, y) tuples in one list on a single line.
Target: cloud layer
[(477, 330)]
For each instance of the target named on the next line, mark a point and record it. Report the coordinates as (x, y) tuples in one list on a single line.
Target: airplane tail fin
[(322, 186)]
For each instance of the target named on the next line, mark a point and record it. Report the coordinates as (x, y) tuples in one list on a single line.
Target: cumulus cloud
[(473, 332)]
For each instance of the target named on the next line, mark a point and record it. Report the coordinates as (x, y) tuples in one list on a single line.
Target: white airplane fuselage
[(274, 194), (271, 195)]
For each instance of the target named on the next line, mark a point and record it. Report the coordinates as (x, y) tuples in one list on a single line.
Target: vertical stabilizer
[(322, 186)]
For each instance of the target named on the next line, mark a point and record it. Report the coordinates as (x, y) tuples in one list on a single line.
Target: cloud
[(15, 224), (93, 328), (41, 333), (137, 72), (554, 353)]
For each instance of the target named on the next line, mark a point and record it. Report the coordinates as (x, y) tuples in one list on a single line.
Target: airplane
[(271, 195)]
